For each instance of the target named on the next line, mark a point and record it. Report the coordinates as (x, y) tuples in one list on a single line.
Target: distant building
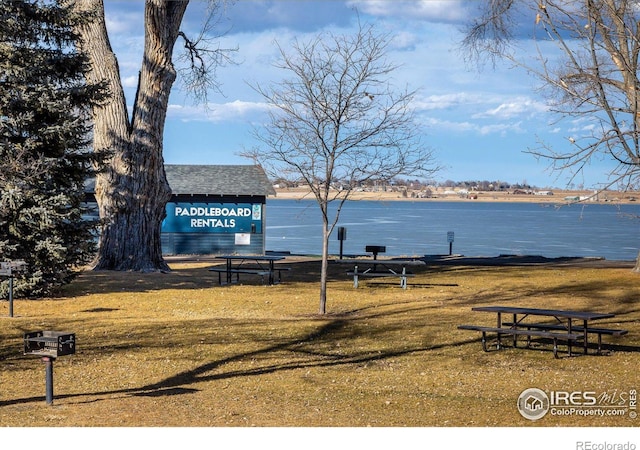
[(214, 209)]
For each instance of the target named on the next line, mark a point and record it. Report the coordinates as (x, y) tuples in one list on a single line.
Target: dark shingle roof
[(232, 180), (218, 180)]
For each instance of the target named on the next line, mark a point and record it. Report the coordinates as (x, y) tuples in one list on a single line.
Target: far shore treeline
[(464, 193)]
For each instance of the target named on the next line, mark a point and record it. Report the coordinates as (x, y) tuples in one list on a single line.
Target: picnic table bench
[(562, 329), (578, 329), (220, 270), (520, 332)]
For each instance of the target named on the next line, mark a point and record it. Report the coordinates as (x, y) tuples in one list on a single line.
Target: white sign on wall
[(243, 239)]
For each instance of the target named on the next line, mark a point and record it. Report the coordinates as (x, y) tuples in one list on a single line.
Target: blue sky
[(480, 123)]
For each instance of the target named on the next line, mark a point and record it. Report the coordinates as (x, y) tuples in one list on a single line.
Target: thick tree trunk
[(637, 267), (133, 191)]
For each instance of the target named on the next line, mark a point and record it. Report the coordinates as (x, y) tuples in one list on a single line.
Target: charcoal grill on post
[(49, 345), (375, 249)]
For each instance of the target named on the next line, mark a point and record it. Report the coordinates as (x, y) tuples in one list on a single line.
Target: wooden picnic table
[(562, 327), (263, 265)]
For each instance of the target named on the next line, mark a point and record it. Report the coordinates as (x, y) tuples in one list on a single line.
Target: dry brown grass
[(178, 350)]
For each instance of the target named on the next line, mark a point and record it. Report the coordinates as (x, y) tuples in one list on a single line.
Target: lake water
[(418, 228)]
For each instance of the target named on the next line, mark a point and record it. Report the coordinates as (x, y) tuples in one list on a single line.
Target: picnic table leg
[(484, 341), (403, 278), (586, 343), (599, 343), (271, 268), (499, 344), (355, 277), (515, 336), (569, 340)]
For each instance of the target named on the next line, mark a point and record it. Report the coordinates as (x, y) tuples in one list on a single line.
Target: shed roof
[(225, 180), (218, 180)]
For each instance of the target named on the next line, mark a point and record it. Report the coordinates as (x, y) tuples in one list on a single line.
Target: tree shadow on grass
[(307, 346), (180, 383), (305, 353)]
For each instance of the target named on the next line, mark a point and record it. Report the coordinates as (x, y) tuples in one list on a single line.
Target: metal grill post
[(48, 365)]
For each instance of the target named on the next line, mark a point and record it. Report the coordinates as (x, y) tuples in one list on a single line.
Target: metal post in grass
[(48, 370), (450, 239), (10, 295), (342, 235), (7, 269)]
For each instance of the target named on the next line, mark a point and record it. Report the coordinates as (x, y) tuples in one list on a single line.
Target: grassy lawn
[(176, 349)]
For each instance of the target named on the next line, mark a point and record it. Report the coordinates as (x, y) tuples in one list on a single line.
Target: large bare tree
[(133, 191), (586, 55), (337, 122)]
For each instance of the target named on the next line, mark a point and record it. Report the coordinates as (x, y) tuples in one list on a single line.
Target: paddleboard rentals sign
[(213, 218)]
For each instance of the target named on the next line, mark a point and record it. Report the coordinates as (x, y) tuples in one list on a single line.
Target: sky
[(479, 122)]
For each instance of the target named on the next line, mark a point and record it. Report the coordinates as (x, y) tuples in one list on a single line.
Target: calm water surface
[(480, 228)]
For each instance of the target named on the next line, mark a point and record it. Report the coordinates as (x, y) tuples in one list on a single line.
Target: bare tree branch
[(595, 81), (203, 55)]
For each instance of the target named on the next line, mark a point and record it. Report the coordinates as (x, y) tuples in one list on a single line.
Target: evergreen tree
[(44, 133)]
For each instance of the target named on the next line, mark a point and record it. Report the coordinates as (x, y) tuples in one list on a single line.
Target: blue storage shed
[(214, 209)]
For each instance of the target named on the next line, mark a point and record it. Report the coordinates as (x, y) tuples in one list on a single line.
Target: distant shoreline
[(558, 196)]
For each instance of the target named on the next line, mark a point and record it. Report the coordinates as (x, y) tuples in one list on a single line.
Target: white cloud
[(501, 128), (124, 17), (472, 127), (517, 107), (217, 112), (405, 40), (130, 82), (125, 26), (121, 24), (440, 125), (582, 125), (446, 101), (432, 10)]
